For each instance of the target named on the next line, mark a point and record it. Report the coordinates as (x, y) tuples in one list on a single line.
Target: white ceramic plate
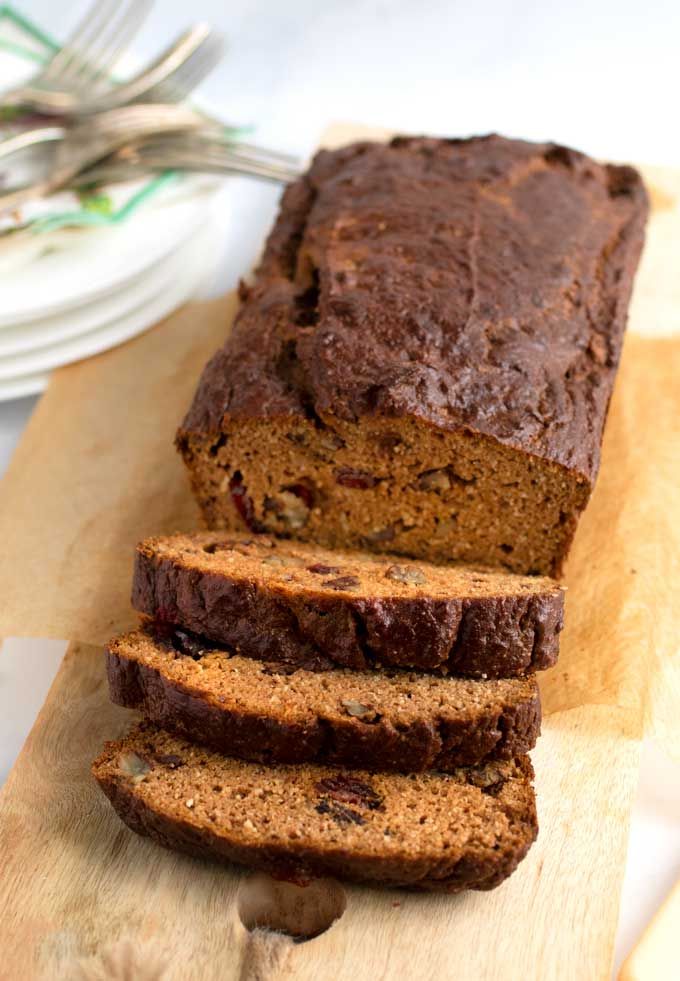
[(95, 263), (26, 374), (19, 388), (47, 332)]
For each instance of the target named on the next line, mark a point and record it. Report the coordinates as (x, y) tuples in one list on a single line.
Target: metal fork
[(210, 138), (34, 139), (80, 68), (189, 152), (86, 143), (171, 77)]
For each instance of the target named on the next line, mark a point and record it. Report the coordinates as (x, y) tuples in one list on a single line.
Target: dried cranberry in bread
[(276, 713), (425, 360), (467, 829), (305, 605)]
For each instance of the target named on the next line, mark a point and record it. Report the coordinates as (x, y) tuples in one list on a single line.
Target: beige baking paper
[(83, 898), (96, 471)]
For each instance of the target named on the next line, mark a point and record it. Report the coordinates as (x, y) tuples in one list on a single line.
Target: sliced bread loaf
[(391, 720), (302, 604), (468, 829)]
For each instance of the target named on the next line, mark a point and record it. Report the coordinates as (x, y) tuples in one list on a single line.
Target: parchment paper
[(96, 471)]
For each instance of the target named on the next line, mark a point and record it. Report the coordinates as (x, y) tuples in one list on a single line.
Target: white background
[(602, 75)]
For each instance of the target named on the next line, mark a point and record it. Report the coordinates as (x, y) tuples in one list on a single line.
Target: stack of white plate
[(91, 290)]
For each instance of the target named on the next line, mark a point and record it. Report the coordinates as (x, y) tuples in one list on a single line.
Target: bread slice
[(467, 829), (270, 712), (302, 604)]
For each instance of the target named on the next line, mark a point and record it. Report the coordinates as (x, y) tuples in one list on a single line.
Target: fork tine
[(223, 155), (216, 137), (215, 131), (183, 161), (113, 42), (216, 148), (171, 150), (81, 38), (229, 164), (276, 156), (196, 68), (198, 65), (255, 153), (237, 153)]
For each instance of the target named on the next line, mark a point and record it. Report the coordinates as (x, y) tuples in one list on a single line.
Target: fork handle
[(165, 65), (39, 100), (29, 138)]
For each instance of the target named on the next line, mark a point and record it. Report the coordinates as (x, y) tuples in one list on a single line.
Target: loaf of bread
[(425, 360), (468, 829), (269, 712), (311, 607)]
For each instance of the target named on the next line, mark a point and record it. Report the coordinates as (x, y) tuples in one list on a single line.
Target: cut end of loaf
[(419, 491), (469, 829), (424, 362)]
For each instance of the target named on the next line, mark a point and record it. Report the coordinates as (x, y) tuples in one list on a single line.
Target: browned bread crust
[(270, 713), (426, 358), (305, 605), (468, 829)]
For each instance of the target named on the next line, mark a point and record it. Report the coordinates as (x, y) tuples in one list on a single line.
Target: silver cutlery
[(86, 143), (37, 138), (212, 137), (203, 155), (171, 77), (80, 69), (113, 135)]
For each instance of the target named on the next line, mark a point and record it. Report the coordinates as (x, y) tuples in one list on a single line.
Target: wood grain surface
[(80, 896), (656, 955)]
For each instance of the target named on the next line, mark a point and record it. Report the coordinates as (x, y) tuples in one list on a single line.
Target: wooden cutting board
[(80, 896)]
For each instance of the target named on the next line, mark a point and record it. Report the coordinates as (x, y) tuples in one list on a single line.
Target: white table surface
[(598, 74)]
